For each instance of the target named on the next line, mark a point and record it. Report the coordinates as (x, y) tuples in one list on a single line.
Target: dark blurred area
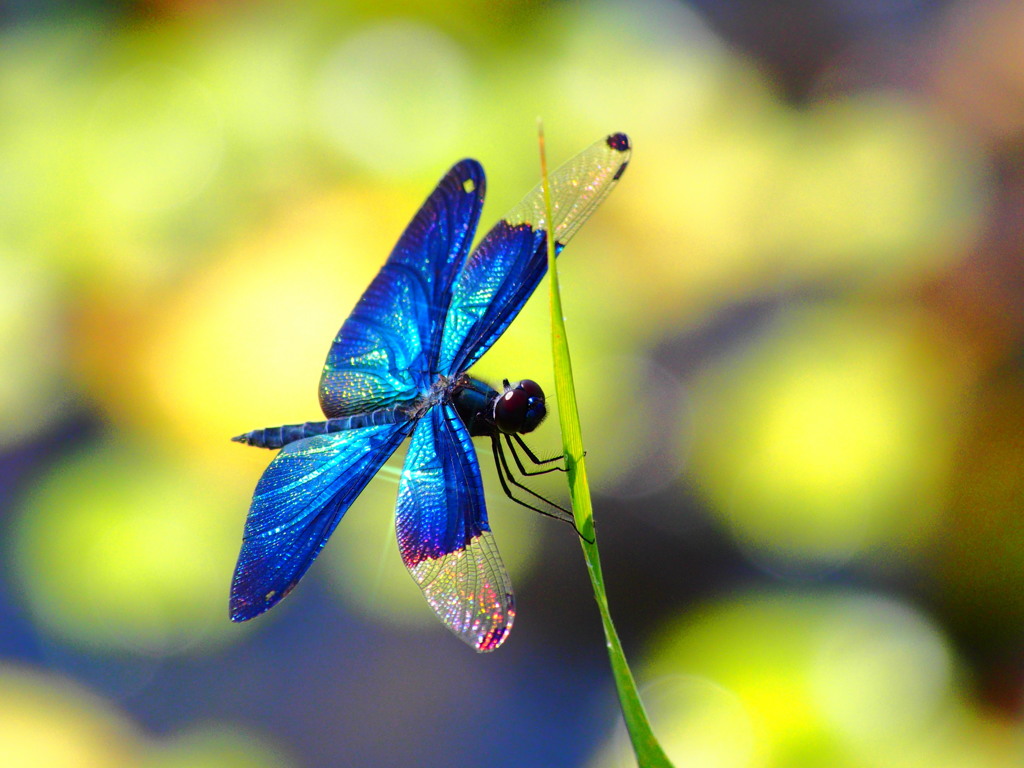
[(796, 328)]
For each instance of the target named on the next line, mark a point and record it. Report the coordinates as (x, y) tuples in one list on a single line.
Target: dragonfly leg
[(505, 476), (532, 457)]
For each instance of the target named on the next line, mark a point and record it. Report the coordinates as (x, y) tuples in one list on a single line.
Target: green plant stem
[(649, 753)]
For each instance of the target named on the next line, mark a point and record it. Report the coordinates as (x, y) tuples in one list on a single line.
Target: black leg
[(519, 462), (530, 454), (503, 469), (505, 475)]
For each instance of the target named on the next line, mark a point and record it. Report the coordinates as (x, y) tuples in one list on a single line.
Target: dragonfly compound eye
[(520, 408), (531, 388)]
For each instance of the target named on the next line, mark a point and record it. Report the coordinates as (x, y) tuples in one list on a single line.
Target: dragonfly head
[(520, 408)]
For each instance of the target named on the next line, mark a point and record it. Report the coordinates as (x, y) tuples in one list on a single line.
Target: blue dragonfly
[(398, 368)]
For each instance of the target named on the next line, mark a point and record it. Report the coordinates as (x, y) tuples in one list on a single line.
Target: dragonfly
[(399, 368)]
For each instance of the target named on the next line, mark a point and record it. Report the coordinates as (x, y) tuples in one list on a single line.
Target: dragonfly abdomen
[(278, 437)]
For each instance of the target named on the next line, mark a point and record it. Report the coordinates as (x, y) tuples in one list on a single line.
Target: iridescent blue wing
[(443, 533), (297, 504), (510, 261), (384, 352)]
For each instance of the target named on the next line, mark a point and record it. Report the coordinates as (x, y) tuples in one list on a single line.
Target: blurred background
[(796, 325)]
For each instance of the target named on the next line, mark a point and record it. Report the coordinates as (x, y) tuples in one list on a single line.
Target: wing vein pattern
[(386, 350), (505, 268), (297, 504), (444, 537)]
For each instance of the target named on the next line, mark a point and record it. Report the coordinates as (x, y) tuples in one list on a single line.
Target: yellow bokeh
[(698, 723), (154, 140), (122, 547), (32, 395), (393, 97), (47, 721), (241, 345), (825, 678), (214, 746), (864, 644), (875, 188), (829, 436)]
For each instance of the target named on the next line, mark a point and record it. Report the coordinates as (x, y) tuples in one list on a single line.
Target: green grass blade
[(649, 753)]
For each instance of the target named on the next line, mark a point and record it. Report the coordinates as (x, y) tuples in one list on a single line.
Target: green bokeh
[(823, 678), (119, 547), (828, 438)]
